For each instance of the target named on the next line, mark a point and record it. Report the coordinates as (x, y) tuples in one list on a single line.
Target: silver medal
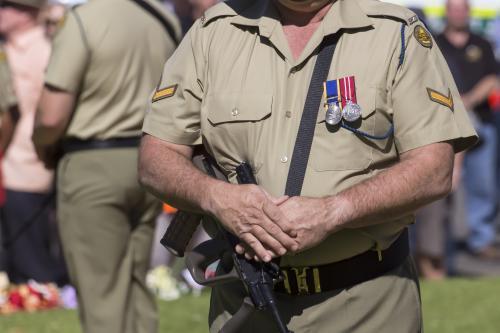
[(333, 114), (351, 111)]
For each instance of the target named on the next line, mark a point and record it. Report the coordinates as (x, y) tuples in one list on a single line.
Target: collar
[(344, 14)]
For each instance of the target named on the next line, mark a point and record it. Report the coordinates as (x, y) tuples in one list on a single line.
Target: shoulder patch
[(423, 36), (164, 93), (442, 99), (3, 56)]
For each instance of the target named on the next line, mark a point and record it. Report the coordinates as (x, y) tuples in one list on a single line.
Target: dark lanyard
[(303, 143), (366, 135)]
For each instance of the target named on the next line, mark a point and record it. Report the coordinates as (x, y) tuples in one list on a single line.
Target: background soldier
[(238, 84), (106, 60), (472, 62)]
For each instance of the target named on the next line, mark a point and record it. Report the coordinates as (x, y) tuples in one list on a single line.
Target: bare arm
[(421, 176), (165, 169), (480, 92), (52, 118), (53, 115), (9, 123)]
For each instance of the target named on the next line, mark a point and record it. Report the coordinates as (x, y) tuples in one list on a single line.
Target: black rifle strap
[(157, 15), (303, 143)]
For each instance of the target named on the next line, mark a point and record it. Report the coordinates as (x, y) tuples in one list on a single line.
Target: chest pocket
[(336, 148), (235, 125)]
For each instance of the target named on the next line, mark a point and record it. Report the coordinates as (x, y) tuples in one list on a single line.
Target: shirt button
[(288, 114), (284, 159), (235, 112)]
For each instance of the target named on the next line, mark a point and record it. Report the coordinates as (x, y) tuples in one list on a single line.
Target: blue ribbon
[(369, 136)]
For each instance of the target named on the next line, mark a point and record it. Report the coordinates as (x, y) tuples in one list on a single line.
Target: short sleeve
[(425, 100), (69, 56), (174, 110)]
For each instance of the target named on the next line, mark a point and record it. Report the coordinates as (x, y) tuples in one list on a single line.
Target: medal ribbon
[(331, 89), (347, 90)]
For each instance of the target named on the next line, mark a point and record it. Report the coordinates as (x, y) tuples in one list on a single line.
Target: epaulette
[(384, 10), (224, 9)]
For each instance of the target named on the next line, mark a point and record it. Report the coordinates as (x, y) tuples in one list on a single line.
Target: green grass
[(453, 306)]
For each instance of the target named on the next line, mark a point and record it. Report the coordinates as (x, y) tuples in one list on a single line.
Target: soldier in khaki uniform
[(238, 84), (107, 58)]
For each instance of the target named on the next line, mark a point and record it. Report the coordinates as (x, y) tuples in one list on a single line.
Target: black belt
[(342, 274), (74, 145)]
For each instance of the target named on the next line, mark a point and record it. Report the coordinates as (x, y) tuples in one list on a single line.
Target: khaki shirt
[(110, 54), (234, 86), (7, 96)]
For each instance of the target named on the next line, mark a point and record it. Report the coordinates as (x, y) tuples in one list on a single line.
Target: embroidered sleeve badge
[(442, 99), (423, 36), (164, 93)]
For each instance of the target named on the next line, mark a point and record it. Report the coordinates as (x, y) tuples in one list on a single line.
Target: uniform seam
[(81, 27)]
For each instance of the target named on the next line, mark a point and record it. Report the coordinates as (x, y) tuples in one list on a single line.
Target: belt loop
[(317, 281), (379, 252), (286, 282)]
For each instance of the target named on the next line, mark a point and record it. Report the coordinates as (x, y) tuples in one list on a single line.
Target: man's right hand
[(254, 217)]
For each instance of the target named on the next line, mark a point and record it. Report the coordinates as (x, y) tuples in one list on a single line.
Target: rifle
[(258, 278)]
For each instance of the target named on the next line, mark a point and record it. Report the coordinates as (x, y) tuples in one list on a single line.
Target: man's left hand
[(311, 219)]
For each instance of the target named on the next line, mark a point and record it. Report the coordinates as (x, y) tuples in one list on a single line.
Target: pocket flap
[(238, 107)]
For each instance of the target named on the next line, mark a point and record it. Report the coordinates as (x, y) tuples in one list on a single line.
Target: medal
[(351, 112), (333, 111), (333, 114)]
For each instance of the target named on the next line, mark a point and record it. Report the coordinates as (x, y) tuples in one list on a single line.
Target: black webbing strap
[(312, 105), (154, 12)]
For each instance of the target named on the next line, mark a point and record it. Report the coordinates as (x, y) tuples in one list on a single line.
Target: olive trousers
[(106, 223), (389, 303)]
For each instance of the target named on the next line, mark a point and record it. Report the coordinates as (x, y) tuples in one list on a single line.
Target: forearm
[(415, 181), (481, 91), (166, 171), (45, 136)]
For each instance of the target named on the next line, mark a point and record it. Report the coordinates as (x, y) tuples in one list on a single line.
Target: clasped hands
[(270, 227)]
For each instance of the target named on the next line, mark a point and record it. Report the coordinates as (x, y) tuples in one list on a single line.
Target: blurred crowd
[(463, 224)]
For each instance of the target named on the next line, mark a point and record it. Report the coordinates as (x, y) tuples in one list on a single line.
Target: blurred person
[(473, 65), (107, 58), (27, 212)]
